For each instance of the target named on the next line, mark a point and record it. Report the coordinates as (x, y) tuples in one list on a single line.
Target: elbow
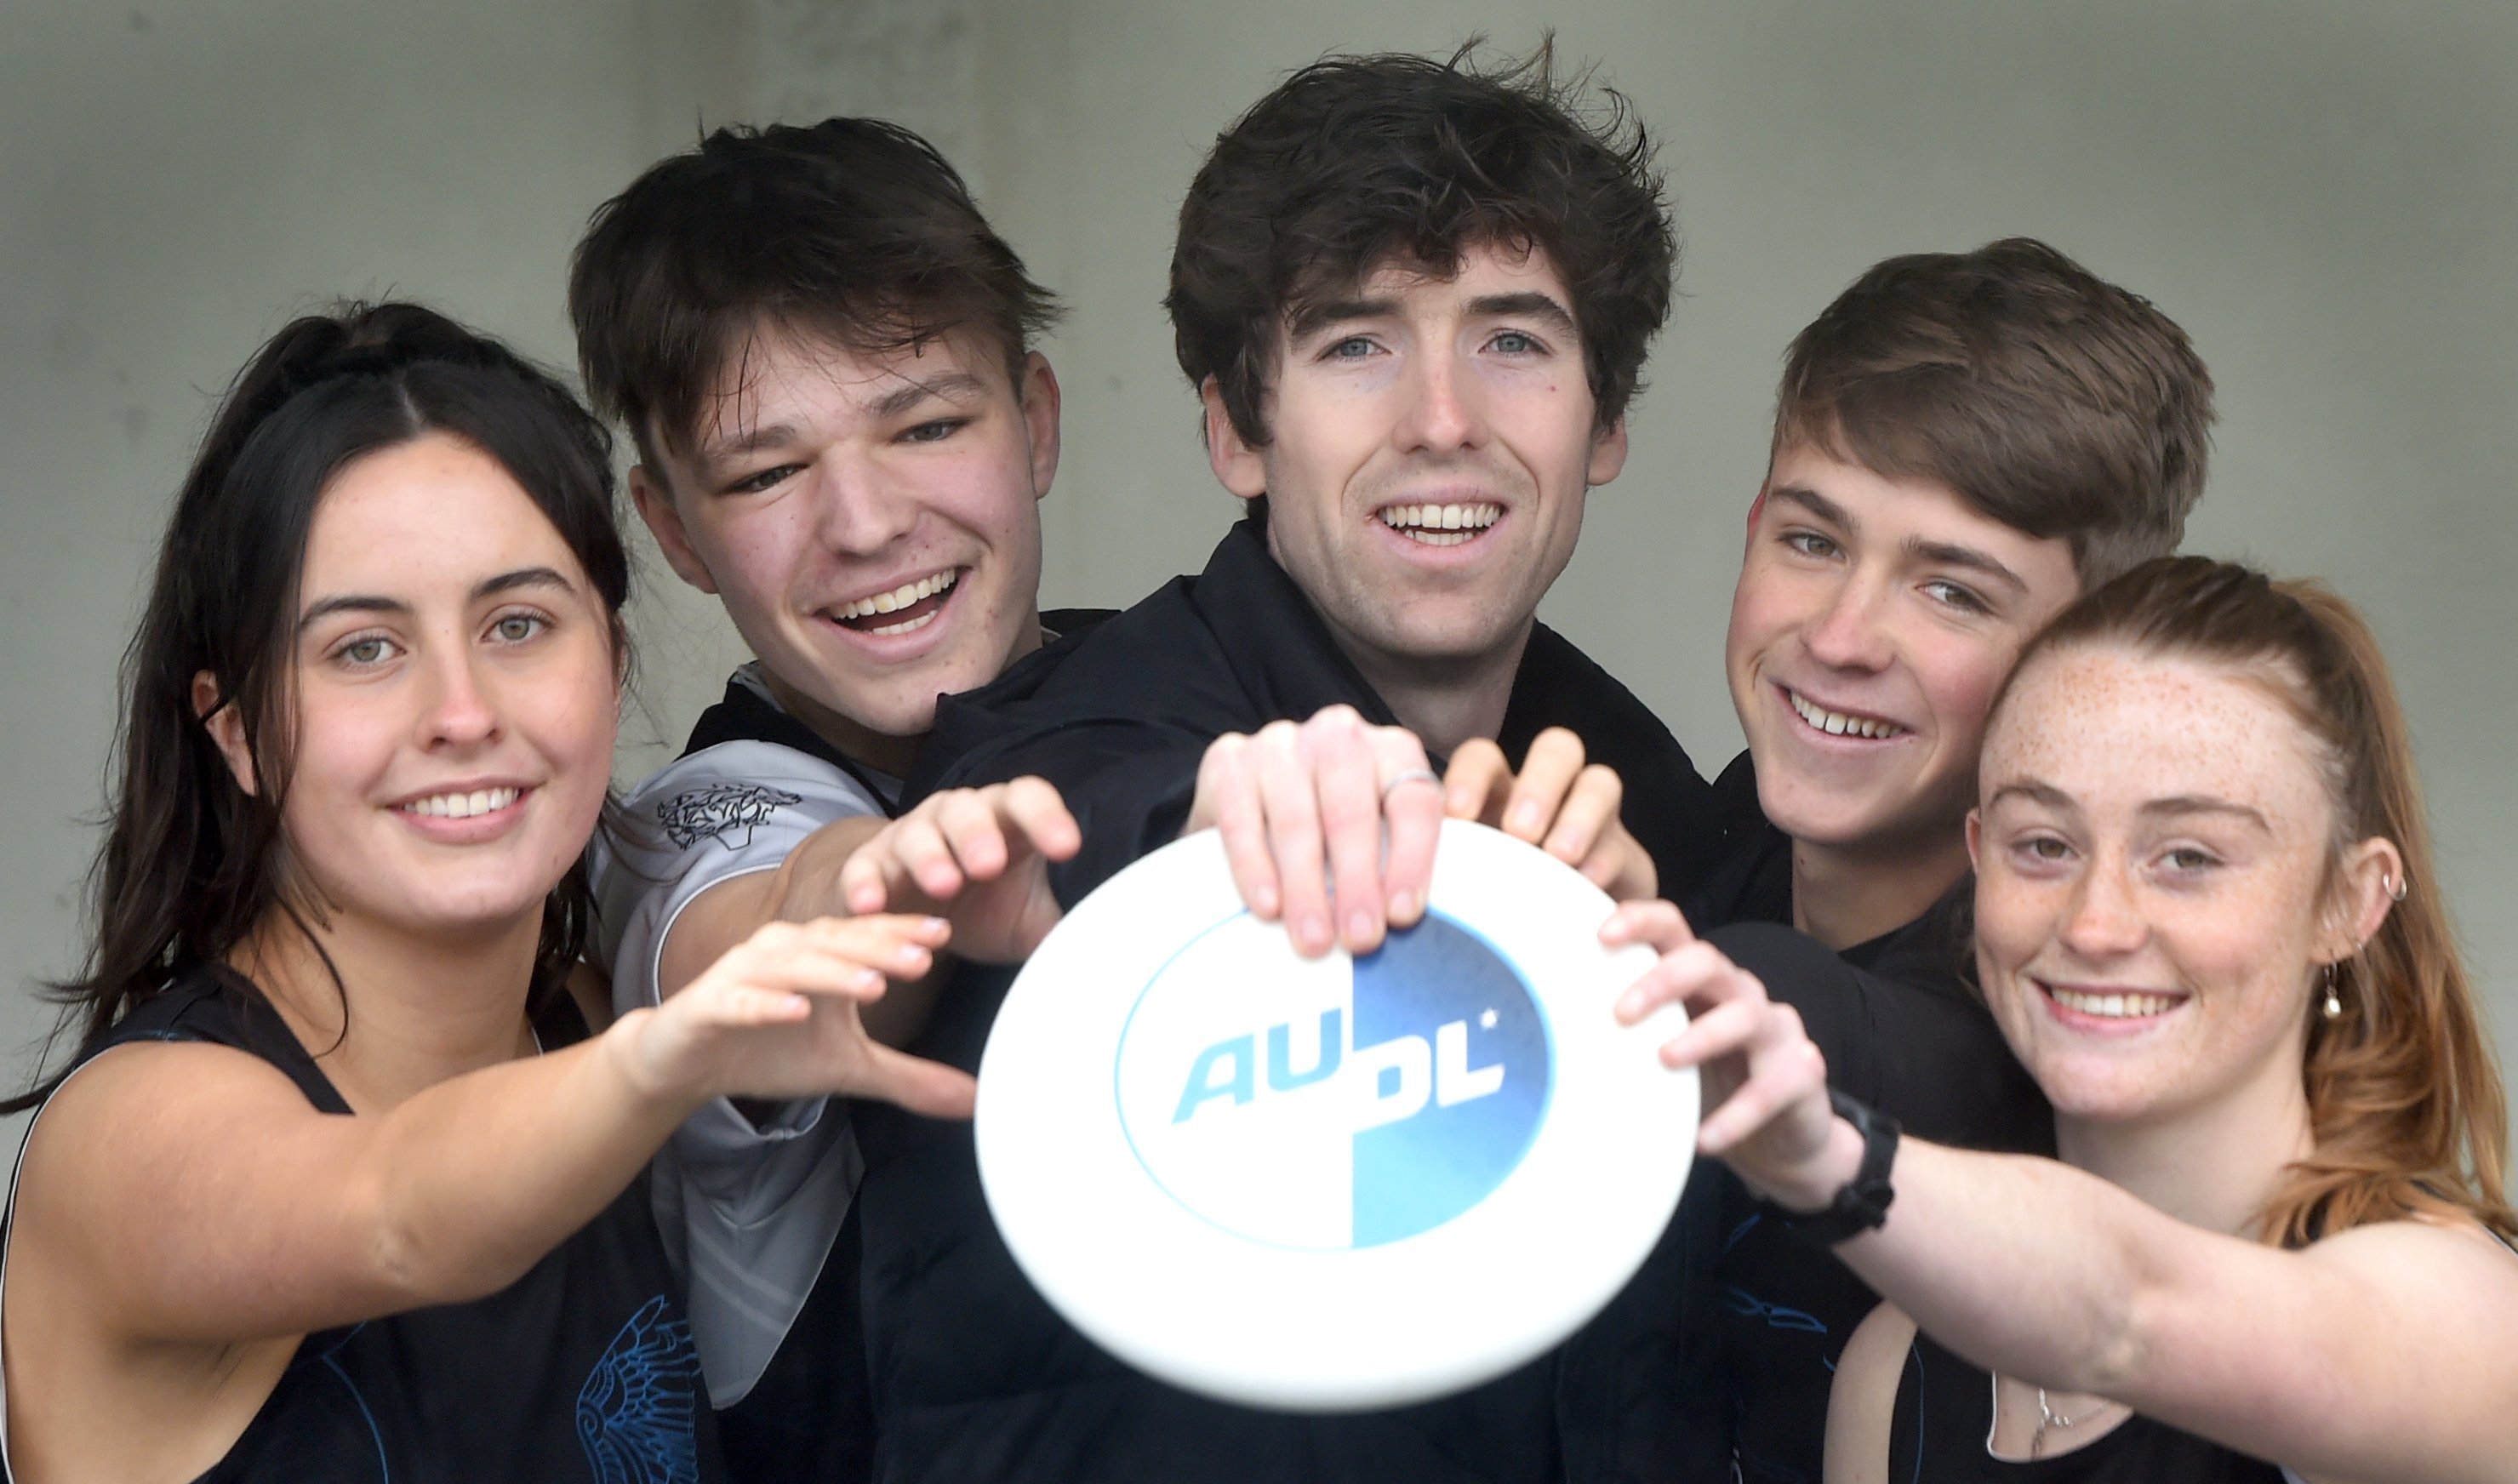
[(2123, 1332), (414, 1265)]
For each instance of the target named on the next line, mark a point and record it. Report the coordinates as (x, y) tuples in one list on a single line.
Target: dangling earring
[(2333, 1006)]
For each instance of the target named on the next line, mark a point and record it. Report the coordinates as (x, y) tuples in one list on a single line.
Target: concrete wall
[(2321, 192), (176, 182)]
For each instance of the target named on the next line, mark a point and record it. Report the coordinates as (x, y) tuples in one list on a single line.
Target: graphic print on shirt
[(637, 1412), (1333, 1102), (718, 810)]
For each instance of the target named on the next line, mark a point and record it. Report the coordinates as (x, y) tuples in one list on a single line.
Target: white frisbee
[(1335, 1184)]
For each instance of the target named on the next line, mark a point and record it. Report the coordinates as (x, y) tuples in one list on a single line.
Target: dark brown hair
[(853, 230), (2404, 1100), (2049, 399), (192, 864), (1357, 161)]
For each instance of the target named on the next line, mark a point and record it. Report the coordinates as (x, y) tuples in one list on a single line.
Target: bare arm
[(2383, 1353), (187, 1193)]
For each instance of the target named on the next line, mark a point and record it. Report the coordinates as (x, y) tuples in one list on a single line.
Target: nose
[(459, 712), (2101, 921), (1848, 633), (1442, 412), (858, 510)]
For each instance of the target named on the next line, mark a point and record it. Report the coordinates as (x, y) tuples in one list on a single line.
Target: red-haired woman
[(2278, 1243)]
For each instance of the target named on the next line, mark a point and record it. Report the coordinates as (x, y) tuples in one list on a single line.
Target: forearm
[(476, 1178)]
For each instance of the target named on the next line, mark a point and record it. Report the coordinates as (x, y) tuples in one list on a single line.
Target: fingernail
[(1361, 928), (1313, 934), (933, 924), (1403, 906), (1525, 817)]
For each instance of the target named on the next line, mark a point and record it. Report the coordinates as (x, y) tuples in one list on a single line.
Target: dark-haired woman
[(2277, 1247), (338, 1186)]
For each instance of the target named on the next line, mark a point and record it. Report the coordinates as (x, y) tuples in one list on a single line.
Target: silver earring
[(2333, 1006), (2396, 886)]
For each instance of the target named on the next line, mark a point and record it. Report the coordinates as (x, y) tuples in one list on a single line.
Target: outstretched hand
[(1764, 1083), (778, 1016), (977, 857), (1559, 801)]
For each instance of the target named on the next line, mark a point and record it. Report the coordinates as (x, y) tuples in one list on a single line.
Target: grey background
[(2324, 194)]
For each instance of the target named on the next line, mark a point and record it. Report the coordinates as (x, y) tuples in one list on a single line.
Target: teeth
[(1441, 525), (2112, 1006), (1837, 724), (900, 597), (482, 801)]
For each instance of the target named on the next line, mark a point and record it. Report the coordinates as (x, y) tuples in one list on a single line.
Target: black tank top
[(1944, 1415), (582, 1371)]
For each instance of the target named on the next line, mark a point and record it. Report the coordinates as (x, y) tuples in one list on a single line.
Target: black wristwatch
[(1863, 1203)]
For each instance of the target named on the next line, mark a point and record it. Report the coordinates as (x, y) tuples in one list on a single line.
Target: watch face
[(1334, 1183)]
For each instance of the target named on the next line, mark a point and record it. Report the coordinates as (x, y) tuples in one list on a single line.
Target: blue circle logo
[(1334, 1103)]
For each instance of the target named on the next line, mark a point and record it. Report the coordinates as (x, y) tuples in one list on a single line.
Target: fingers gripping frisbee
[(1341, 1183)]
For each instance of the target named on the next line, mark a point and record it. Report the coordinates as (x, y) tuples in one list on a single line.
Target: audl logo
[(1334, 1103)]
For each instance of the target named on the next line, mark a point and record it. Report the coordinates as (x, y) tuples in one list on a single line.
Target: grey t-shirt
[(748, 1211)]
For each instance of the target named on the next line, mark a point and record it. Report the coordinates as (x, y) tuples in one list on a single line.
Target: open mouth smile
[(2100, 1009), (1441, 525), (462, 806), (905, 609), (1840, 724)]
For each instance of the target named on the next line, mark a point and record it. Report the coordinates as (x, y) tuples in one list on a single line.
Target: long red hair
[(2404, 1100)]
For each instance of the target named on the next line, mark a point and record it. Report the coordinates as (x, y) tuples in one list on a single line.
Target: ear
[(1608, 454), (1975, 835), (1038, 393), (655, 503), (226, 729), (2361, 899), (1238, 465), (1757, 507)]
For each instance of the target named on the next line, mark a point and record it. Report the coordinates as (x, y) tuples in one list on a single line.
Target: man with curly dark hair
[(1414, 297)]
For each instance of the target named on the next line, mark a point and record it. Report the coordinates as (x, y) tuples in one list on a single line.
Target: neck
[(887, 753), (1444, 701), (1843, 895), (2211, 1165), (410, 1011)]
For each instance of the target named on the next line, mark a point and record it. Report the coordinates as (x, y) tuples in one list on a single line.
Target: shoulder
[(123, 1124), (2423, 1249), (721, 801), (1864, 1397)]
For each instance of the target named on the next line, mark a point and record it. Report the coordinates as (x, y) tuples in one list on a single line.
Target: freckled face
[(453, 693), (1874, 621), (1431, 441), (2152, 860)]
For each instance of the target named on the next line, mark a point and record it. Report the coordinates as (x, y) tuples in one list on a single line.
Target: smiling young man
[(821, 352), (1415, 298), (1964, 443)]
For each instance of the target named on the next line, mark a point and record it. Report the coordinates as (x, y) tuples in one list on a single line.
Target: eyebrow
[(2192, 803), (951, 386), (717, 453), (488, 587), (1945, 554), (1528, 303), (2183, 804)]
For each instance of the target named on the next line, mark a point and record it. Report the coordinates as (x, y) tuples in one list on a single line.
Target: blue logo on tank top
[(1337, 1103), (638, 1412)]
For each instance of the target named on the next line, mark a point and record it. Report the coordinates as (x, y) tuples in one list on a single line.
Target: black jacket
[(973, 1376)]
